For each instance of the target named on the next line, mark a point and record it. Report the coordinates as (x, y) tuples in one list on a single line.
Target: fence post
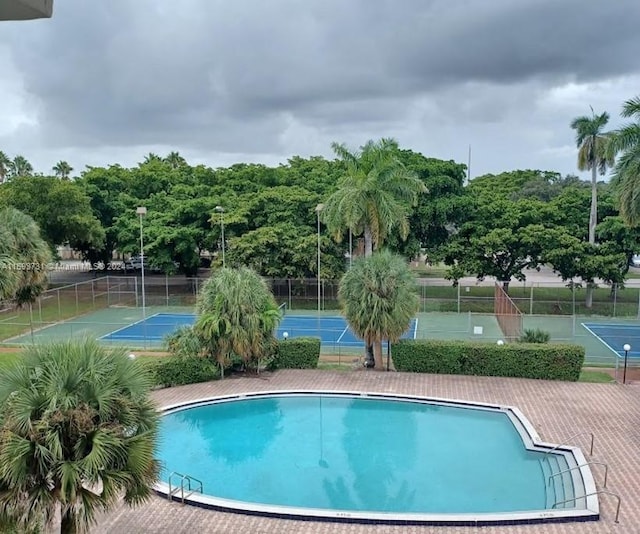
[(40, 308), (135, 288), (531, 301), (289, 291), (93, 294), (615, 298), (59, 306), (166, 286), (458, 298), (77, 305)]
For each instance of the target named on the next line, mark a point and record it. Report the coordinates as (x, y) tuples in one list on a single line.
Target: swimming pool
[(359, 457)]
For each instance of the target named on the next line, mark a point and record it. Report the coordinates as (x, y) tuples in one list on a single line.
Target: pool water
[(356, 454)]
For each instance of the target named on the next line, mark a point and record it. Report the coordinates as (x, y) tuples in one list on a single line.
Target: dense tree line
[(497, 225)]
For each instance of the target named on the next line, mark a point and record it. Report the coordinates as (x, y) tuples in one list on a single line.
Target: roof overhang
[(25, 9)]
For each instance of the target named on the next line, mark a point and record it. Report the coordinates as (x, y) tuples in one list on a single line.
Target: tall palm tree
[(20, 167), (375, 194), (237, 315), (175, 160), (626, 141), (594, 155), (378, 297), (77, 432), (25, 256), (151, 156), (5, 165), (62, 170)]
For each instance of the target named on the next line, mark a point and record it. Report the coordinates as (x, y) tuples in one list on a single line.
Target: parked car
[(635, 260), (134, 263)]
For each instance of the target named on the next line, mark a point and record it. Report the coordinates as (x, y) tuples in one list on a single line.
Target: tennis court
[(615, 336), (331, 330)]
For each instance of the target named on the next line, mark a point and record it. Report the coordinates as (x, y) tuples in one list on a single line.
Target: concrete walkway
[(556, 409)]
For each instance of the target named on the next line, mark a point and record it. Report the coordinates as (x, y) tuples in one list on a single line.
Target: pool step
[(559, 486)]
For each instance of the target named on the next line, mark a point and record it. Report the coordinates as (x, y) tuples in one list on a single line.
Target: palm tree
[(150, 157), (175, 160), (20, 167), (26, 256), (378, 297), (77, 432), (62, 170), (626, 140), (594, 155), (237, 315), (5, 165), (374, 196)]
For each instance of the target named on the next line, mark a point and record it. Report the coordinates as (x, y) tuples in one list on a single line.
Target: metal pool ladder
[(185, 484)]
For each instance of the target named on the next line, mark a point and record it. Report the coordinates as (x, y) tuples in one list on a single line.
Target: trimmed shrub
[(549, 362), (180, 370), (184, 342), (297, 353)]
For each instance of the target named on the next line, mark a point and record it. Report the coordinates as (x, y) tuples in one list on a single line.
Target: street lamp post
[(220, 210), (319, 208), (142, 211), (626, 348)]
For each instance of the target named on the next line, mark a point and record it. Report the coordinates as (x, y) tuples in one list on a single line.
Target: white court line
[(601, 340), (129, 325), (415, 329)]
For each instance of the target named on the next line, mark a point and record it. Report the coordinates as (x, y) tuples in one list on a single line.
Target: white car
[(635, 260), (134, 263)]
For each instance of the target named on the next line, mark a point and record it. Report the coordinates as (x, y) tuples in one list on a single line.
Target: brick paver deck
[(556, 409)]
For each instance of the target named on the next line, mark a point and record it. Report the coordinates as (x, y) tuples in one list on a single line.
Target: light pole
[(626, 348), (319, 208), (142, 211), (220, 210)]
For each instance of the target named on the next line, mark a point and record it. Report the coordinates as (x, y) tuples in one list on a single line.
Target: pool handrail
[(604, 492), (571, 438), (606, 471)]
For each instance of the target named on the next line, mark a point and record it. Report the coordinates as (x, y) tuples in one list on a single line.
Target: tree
[(78, 432), (500, 238), (237, 315), (61, 208), (20, 167), (627, 171), (62, 170), (378, 297), (26, 256), (594, 155), (5, 167), (375, 194), (175, 160)]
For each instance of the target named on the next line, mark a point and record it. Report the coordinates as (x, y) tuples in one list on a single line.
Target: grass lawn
[(595, 376)]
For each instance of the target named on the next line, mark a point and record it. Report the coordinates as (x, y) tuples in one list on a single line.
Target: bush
[(535, 336), (184, 342), (297, 353), (549, 362), (180, 370)]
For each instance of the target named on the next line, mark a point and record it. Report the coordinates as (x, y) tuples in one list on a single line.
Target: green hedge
[(180, 370), (549, 362), (297, 353)]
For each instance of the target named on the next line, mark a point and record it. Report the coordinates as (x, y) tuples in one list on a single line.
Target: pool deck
[(557, 410)]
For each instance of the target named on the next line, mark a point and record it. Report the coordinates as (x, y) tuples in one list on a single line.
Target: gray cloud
[(263, 78)]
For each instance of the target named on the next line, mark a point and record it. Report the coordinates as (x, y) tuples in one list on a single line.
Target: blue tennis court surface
[(615, 336), (330, 330)]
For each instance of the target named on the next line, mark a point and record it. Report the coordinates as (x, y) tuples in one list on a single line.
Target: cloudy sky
[(253, 80)]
